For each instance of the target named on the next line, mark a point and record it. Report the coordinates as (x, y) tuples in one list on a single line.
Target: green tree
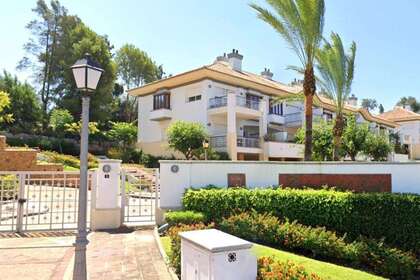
[(336, 69), (322, 145), (135, 68), (124, 134), (377, 147), (300, 23), (58, 120), (5, 103), (381, 109), (369, 104), (77, 40), (354, 137), (186, 137), (410, 101), (24, 105), (75, 128), (42, 50)]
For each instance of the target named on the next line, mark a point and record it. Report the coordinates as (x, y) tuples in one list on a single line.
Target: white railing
[(218, 141), (217, 102), (247, 103), (248, 142)]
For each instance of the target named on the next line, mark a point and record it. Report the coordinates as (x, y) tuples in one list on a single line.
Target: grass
[(323, 269), (70, 168)]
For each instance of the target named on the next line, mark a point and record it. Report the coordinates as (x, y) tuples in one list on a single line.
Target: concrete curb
[(163, 254)]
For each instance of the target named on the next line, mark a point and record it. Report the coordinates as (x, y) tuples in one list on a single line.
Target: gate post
[(123, 198), (106, 213), (21, 200)]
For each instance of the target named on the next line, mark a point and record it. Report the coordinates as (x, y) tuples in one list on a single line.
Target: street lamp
[(86, 73), (205, 146)]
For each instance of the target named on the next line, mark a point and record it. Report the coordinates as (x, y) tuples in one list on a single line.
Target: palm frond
[(299, 22), (336, 70)]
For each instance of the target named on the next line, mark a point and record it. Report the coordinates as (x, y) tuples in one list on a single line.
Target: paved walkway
[(110, 256)]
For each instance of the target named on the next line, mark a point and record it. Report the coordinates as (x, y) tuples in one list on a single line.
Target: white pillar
[(106, 213), (231, 125), (263, 124)]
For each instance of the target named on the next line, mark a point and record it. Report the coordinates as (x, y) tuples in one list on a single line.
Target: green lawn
[(323, 269)]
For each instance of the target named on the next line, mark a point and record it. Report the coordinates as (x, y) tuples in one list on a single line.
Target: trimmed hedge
[(393, 217), (320, 243), (184, 217)]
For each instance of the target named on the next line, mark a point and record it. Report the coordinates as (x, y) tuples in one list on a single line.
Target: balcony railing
[(217, 102), (294, 117), (248, 142), (247, 103), (218, 141)]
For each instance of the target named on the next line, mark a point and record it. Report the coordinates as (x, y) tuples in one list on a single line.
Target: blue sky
[(187, 34)]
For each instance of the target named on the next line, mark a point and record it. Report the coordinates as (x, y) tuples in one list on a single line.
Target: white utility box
[(214, 255)]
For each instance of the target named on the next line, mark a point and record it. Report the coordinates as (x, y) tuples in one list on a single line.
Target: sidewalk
[(110, 256)]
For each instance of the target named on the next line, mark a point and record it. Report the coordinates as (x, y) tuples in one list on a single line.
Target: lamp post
[(86, 73), (205, 146)]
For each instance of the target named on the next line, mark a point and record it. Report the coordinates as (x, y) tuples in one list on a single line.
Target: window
[(328, 116), (162, 101), (194, 98), (276, 109)]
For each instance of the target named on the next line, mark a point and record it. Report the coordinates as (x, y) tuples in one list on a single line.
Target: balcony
[(276, 119), (248, 142), (160, 114), (247, 103), (220, 142), (217, 102), (283, 150)]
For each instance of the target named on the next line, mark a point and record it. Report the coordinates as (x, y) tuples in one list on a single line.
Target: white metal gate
[(39, 200), (139, 195)]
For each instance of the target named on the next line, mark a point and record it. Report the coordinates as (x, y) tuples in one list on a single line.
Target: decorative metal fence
[(39, 200)]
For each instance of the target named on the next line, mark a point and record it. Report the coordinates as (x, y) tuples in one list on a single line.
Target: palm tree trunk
[(309, 89), (338, 133)]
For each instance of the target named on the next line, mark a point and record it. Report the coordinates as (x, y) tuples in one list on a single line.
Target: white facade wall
[(405, 176), (411, 129), (155, 131)]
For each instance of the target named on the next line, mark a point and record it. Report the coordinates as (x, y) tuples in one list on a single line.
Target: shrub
[(184, 217), (175, 255), (53, 157), (377, 147), (269, 269), (45, 144), (321, 243), (374, 215)]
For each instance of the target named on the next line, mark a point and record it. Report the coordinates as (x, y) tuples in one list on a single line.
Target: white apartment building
[(237, 109), (409, 128)]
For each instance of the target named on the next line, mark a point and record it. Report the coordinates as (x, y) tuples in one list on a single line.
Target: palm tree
[(300, 23), (336, 71)]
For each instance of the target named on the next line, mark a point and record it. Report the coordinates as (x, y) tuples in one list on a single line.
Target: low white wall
[(405, 175)]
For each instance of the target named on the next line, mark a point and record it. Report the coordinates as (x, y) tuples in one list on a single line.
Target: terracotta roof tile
[(400, 114)]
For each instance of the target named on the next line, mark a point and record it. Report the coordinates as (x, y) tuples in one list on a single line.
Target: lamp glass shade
[(79, 75), (93, 77)]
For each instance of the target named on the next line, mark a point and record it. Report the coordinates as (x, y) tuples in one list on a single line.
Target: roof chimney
[(222, 58), (235, 60), (407, 107), (352, 100), (267, 74)]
